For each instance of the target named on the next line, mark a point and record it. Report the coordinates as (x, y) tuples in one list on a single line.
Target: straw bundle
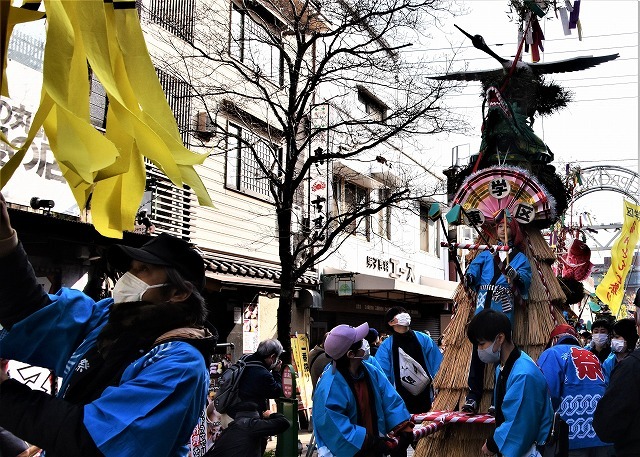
[(533, 324)]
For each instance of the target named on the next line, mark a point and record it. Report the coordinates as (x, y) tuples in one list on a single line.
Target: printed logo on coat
[(587, 364), (82, 365)]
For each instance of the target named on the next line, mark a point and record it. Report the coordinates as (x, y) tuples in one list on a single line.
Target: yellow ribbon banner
[(611, 288), (109, 168)]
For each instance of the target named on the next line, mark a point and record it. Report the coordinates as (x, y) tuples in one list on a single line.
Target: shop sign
[(394, 267), (39, 175)]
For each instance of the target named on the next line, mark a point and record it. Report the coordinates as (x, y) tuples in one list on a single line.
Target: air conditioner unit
[(204, 125)]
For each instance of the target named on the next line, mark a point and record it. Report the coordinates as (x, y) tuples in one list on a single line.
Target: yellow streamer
[(611, 288), (108, 168)]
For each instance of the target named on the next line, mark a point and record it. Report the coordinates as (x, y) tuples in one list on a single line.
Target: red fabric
[(563, 328), (364, 404)]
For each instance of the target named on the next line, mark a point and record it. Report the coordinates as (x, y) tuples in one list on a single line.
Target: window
[(253, 44), (176, 16), (178, 95), (384, 215), (349, 197), (98, 102), (244, 150), (169, 207), (372, 105), (26, 49), (429, 233)]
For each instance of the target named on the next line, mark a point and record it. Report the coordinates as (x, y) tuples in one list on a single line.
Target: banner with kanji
[(611, 288)]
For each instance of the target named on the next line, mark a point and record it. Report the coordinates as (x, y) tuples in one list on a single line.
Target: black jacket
[(617, 416), (258, 384), (242, 438)]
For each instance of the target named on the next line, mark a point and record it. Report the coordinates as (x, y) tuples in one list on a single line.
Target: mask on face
[(403, 319), (618, 346), (487, 355), (600, 339), (367, 349), (130, 288), (275, 363)]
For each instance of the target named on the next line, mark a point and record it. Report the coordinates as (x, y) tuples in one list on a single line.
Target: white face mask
[(130, 288), (618, 346), (275, 363), (487, 355), (403, 319), (599, 339), (367, 349)]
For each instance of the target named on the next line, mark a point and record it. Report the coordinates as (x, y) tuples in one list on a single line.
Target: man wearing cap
[(134, 367), (576, 384), (413, 347), (617, 416), (354, 405)]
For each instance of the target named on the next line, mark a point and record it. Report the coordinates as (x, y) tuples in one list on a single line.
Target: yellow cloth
[(109, 168), (611, 288)]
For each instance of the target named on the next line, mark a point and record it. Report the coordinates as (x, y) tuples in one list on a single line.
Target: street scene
[(348, 228)]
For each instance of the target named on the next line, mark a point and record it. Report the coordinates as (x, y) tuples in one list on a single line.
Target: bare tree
[(294, 71)]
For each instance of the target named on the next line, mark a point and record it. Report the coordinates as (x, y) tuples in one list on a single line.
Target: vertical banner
[(319, 175), (304, 375), (611, 288), (299, 348), (250, 337)]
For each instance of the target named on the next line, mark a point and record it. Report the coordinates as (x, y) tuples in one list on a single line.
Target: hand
[(5, 223), (266, 414), (511, 273), (278, 366), (486, 451), (404, 439)]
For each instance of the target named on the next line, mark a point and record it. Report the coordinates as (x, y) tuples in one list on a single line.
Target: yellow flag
[(611, 288)]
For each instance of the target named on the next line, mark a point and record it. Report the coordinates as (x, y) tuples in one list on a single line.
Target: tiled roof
[(251, 269)]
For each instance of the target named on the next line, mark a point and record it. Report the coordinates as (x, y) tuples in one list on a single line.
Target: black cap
[(163, 250)]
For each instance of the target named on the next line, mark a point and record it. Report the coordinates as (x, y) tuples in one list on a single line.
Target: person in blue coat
[(623, 342), (417, 345), (354, 405), (500, 281), (134, 367), (576, 384), (523, 409)]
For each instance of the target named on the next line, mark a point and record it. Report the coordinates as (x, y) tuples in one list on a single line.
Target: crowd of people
[(135, 376)]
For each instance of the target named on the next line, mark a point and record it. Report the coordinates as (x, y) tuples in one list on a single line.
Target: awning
[(427, 290)]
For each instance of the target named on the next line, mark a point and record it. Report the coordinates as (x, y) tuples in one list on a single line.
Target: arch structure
[(608, 177), (611, 178)]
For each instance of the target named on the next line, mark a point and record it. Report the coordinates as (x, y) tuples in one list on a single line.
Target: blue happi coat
[(608, 365), (432, 356), (482, 270), (576, 383), (526, 407), (161, 395), (335, 412)]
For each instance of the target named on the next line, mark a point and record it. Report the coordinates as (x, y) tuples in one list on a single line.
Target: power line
[(514, 43), (572, 101), (477, 94)]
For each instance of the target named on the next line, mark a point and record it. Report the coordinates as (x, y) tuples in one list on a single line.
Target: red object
[(287, 382), (563, 329), (576, 262)]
